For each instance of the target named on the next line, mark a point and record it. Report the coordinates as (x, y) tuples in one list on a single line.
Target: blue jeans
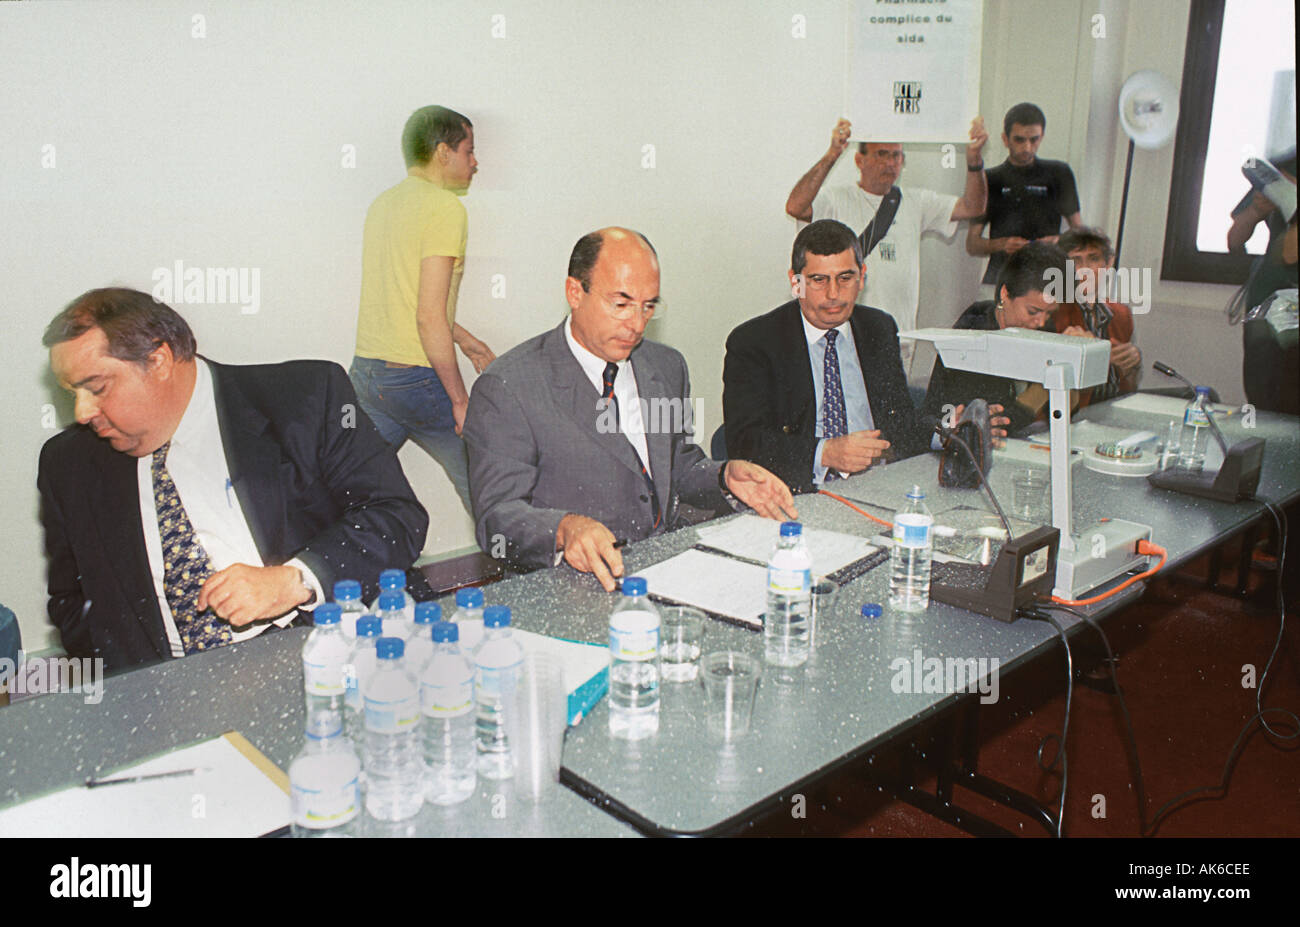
[(409, 402)]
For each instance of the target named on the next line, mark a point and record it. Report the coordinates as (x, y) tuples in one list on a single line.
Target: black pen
[(93, 783)]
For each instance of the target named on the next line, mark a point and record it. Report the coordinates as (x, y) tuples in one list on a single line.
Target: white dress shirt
[(853, 386), (196, 461), (630, 421)]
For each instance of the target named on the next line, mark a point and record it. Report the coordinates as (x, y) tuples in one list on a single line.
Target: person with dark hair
[(413, 254), (1091, 314), (889, 218), (1024, 301), (195, 504), (815, 390), (1270, 374), (1028, 195), (583, 437)]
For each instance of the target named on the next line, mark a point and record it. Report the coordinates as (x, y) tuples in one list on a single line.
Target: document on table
[(1154, 404), (755, 538), (727, 588), (585, 667), (237, 792)]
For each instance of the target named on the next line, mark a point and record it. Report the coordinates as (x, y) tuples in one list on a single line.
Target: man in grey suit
[(581, 438)]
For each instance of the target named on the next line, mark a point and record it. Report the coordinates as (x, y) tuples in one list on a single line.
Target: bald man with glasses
[(582, 437)]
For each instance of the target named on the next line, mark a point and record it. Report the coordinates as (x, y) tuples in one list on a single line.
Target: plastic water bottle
[(395, 581), (447, 702), (323, 658), (325, 781), (391, 607), (469, 615), (909, 560), (789, 599), (357, 674), (634, 664), (497, 661), (394, 772), (1195, 433), (347, 593), (420, 647)]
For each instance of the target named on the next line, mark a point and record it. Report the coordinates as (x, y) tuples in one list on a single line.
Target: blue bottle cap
[(445, 632), (872, 610), (369, 626), (392, 579), (791, 529), (392, 601), (469, 597), (427, 612), (1203, 391), (496, 616), (634, 585), (327, 613), (390, 648), (346, 590)]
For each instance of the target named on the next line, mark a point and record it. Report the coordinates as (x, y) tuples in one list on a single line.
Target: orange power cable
[(887, 524), (1145, 548)]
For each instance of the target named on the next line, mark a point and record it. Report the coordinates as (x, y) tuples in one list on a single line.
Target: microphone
[(1171, 372), (1209, 412)]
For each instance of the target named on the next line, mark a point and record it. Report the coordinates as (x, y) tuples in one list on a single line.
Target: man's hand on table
[(759, 489), (589, 548), (242, 594), (853, 452)]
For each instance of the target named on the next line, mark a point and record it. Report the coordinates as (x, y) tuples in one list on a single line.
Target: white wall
[(226, 151)]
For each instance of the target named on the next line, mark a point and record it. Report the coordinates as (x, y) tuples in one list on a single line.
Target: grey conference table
[(807, 722), (255, 687), (841, 707)]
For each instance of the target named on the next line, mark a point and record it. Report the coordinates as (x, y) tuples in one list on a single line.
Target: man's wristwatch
[(975, 167)]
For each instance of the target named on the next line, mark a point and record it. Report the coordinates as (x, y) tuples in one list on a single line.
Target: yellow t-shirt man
[(406, 224)]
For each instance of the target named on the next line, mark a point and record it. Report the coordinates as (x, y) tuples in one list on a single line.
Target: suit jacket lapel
[(117, 518), (870, 372), (659, 425), (575, 396), (794, 344), (253, 461)]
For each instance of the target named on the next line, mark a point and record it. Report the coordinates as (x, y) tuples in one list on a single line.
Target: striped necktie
[(186, 566), (835, 419), (607, 380)]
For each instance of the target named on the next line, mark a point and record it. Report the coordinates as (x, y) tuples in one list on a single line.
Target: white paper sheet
[(1170, 406), (231, 798), (711, 582), (755, 538), (580, 661)]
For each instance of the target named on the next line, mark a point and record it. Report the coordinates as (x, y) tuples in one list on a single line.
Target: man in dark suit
[(582, 437), (815, 389), (195, 503)]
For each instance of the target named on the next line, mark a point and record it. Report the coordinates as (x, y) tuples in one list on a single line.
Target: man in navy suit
[(194, 503), (814, 390)]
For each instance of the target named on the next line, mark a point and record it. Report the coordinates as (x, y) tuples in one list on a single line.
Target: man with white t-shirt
[(893, 253)]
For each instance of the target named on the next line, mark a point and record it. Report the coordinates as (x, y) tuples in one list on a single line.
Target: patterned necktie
[(607, 380), (186, 566), (835, 420)]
